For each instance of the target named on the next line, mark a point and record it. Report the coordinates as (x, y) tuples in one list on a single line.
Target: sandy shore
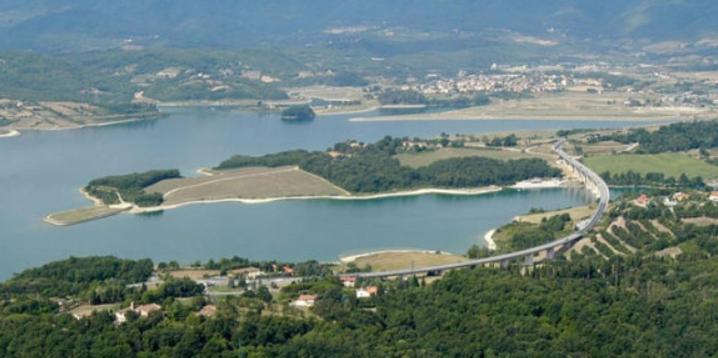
[(88, 125), (352, 258), (478, 191), (539, 184), (10, 133), (489, 239), (449, 116)]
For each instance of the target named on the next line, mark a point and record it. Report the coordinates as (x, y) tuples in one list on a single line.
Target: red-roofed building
[(642, 200), (348, 281)]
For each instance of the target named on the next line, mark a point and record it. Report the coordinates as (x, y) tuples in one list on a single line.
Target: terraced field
[(246, 183)]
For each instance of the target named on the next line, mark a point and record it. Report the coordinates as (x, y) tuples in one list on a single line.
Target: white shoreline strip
[(352, 258), (10, 133), (489, 239), (88, 125), (473, 117), (485, 190)]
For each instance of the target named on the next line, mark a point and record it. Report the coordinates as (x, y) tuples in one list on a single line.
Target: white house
[(304, 301), (367, 292)]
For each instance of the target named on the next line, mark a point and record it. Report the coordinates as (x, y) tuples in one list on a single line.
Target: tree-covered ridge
[(74, 275), (130, 187), (675, 137), (631, 178), (372, 168), (111, 79), (624, 306)]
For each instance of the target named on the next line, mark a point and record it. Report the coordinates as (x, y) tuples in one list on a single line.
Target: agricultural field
[(670, 164), (577, 214), (246, 183), (416, 160), (396, 260), (602, 148)]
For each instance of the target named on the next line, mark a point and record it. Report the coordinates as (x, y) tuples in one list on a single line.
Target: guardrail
[(590, 176)]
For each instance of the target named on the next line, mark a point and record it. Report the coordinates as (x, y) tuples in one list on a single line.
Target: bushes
[(298, 113), (130, 187)]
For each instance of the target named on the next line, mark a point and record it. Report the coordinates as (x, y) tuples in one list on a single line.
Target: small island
[(350, 170), (298, 113)]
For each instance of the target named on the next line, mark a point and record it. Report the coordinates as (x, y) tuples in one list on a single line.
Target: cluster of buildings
[(670, 201), (308, 300), (490, 83)]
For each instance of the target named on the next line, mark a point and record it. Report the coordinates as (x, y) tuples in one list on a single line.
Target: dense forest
[(631, 178), (130, 187), (633, 306), (372, 168), (522, 235), (675, 137)]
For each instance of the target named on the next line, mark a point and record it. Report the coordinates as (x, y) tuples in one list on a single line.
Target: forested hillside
[(634, 306), (47, 23)]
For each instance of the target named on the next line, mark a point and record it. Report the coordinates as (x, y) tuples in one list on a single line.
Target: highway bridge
[(591, 180)]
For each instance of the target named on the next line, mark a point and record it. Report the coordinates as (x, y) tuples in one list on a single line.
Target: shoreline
[(134, 119), (533, 117), (134, 209), (543, 183), (351, 258), (10, 133), (489, 239), (408, 193)]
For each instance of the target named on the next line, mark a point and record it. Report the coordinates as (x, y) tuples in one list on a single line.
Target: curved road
[(590, 177)]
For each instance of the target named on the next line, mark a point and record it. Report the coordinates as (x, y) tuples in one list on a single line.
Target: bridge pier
[(504, 264), (550, 253), (528, 260)]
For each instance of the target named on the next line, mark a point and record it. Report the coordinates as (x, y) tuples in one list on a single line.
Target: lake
[(41, 173)]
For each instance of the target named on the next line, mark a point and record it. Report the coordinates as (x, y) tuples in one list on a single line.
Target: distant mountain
[(60, 25)]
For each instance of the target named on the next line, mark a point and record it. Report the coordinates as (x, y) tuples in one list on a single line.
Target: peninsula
[(349, 171)]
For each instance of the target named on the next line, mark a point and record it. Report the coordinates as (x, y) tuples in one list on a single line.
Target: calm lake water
[(41, 172)]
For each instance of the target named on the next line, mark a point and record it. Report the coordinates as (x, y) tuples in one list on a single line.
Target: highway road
[(591, 179)]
